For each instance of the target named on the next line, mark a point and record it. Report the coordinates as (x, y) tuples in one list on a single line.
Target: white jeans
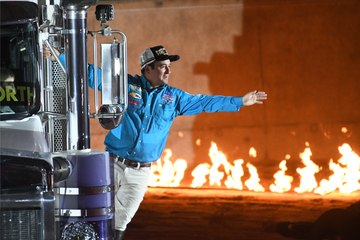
[(130, 187)]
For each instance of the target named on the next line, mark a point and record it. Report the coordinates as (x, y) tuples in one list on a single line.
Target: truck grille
[(21, 224)]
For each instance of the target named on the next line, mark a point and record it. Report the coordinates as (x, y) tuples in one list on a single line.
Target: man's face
[(160, 74)]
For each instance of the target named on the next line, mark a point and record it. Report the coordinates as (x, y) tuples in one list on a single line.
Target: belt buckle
[(114, 156), (138, 165)]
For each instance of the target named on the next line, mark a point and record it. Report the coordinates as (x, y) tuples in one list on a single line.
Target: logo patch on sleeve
[(135, 88)]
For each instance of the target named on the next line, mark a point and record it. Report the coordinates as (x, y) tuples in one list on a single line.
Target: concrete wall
[(304, 53)]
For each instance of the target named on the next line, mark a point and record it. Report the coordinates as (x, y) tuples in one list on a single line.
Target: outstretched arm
[(254, 97)]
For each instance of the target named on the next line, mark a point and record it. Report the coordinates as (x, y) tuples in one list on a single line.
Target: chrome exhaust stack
[(112, 80)]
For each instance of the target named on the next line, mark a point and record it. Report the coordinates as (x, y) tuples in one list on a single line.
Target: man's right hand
[(47, 53)]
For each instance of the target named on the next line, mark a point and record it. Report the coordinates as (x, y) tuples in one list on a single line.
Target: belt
[(129, 163)]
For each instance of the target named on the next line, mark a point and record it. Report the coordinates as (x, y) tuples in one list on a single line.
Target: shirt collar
[(147, 84)]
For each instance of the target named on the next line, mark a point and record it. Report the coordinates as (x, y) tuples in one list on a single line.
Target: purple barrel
[(84, 202)]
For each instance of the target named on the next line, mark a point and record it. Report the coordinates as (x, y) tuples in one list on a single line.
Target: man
[(140, 139)]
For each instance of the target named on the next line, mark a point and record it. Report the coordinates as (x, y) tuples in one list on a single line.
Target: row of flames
[(345, 177)]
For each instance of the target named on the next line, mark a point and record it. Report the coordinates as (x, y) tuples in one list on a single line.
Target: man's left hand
[(254, 97)]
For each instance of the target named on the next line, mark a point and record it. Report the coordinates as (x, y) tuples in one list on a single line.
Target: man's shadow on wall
[(228, 74)]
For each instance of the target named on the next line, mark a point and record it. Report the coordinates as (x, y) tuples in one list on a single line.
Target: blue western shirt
[(145, 126)]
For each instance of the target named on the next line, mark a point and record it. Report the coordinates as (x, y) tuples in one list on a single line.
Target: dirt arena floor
[(206, 214)]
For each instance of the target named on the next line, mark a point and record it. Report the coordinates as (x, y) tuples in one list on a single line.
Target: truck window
[(19, 74)]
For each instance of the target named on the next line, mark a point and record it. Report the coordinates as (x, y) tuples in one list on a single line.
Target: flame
[(307, 174), (218, 159), (344, 130), (234, 172), (220, 172), (252, 152), (166, 173), (282, 182), (346, 174), (253, 183), (334, 181), (199, 174), (352, 166), (234, 179)]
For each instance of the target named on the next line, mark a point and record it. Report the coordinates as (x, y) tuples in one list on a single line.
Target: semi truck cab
[(51, 190)]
